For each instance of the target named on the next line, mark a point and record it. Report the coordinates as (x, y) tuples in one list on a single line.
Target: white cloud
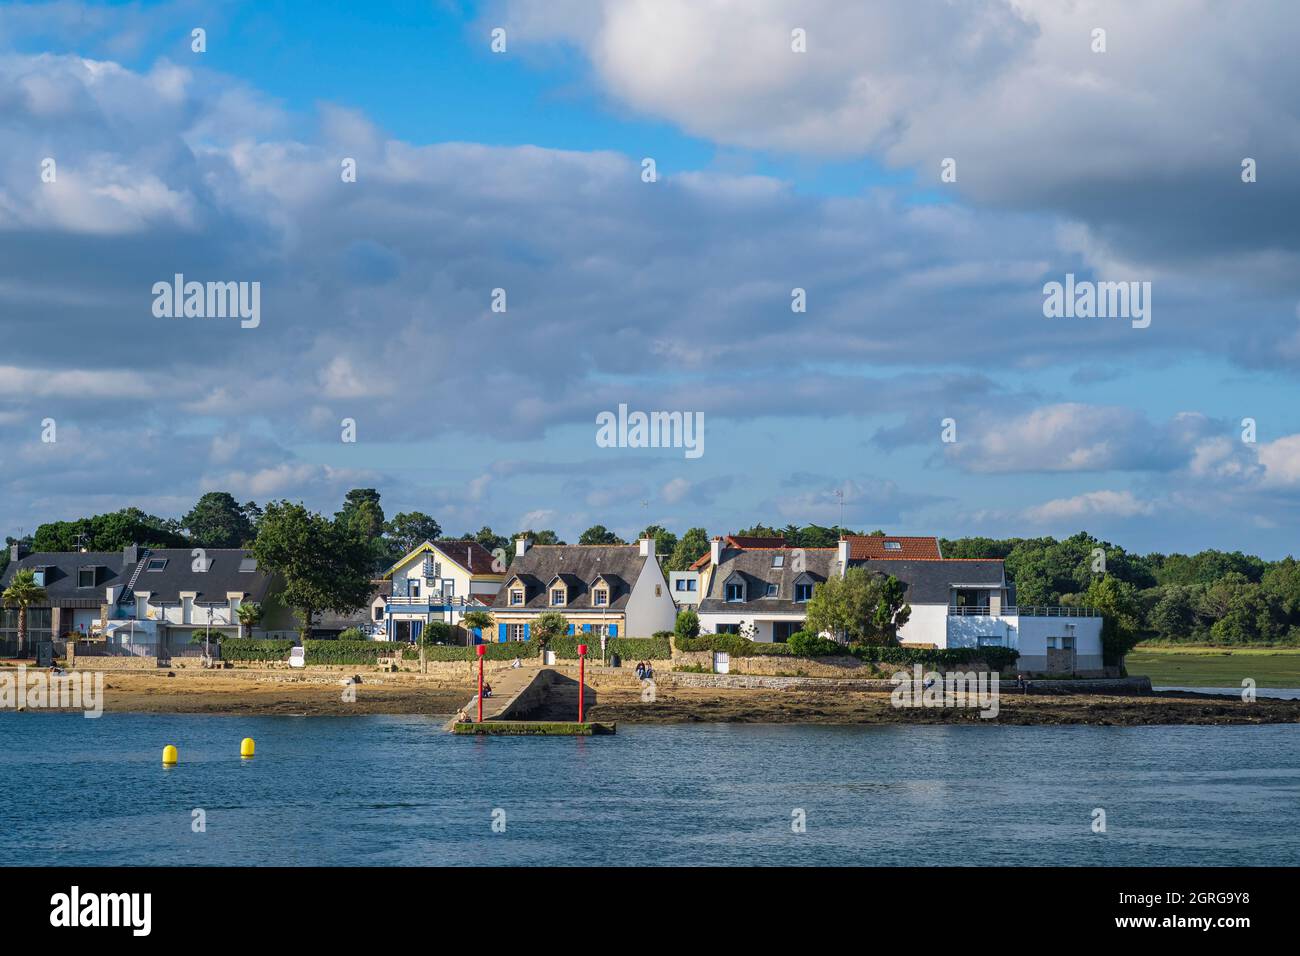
[(1113, 504)]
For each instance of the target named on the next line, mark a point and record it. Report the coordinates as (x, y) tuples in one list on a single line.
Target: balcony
[(1028, 610)]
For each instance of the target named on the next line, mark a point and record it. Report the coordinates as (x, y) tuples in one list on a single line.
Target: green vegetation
[(1184, 666), (687, 625), (525, 650), (246, 649), (22, 593), (862, 607), (351, 652)]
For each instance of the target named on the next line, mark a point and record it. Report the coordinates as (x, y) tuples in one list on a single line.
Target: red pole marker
[(582, 671), (482, 649)]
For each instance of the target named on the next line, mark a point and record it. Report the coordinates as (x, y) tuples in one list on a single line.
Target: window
[(39, 575), (681, 584), (893, 546), (86, 577), (659, 591), (990, 640), (600, 597), (414, 587), (247, 565), (449, 587), (156, 564), (516, 632), (517, 597), (771, 590), (598, 630), (735, 592), (803, 592), (778, 560), (690, 584), (379, 612), (728, 629), (557, 597)]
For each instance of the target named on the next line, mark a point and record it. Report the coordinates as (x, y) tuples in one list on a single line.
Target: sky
[(923, 390)]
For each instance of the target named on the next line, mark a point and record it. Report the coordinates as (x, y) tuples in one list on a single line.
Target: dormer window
[(86, 577), (803, 593), (771, 590), (599, 597), (38, 575), (516, 597), (778, 560), (558, 597), (735, 592), (247, 565)]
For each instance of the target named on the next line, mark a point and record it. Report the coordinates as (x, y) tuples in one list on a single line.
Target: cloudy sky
[(523, 170)]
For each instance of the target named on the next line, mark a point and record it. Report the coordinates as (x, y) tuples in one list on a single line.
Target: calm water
[(395, 790)]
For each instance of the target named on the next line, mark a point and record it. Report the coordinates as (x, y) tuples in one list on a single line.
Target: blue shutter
[(586, 628), (478, 635), (613, 630), (528, 632), (501, 633), (417, 628), (570, 631)]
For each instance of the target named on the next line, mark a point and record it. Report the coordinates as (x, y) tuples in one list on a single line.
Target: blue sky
[(777, 169)]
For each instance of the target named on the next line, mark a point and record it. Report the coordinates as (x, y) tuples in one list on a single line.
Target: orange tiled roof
[(872, 547)]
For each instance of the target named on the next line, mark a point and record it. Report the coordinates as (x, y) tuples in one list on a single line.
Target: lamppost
[(482, 649), (582, 674)]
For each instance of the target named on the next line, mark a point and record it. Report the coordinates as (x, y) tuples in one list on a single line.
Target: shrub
[(495, 652), (806, 644), (997, 658), (688, 624), (655, 648), (248, 649), (732, 644), (352, 634), (435, 632)]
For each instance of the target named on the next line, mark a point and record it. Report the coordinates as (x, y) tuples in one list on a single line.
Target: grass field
[(1216, 666)]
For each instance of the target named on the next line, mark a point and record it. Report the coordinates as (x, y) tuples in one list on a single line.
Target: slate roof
[(754, 567), (930, 581), (223, 575), (579, 565), (867, 547), (61, 578)]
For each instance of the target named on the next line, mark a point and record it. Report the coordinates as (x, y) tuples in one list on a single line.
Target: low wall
[(530, 698), (1125, 686)]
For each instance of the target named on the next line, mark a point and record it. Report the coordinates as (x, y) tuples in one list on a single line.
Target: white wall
[(645, 612), (927, 625), (710, 620)]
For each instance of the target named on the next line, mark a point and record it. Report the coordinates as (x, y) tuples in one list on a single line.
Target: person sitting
[(487, 691), (640, 671), (516, 663), (647, 672)]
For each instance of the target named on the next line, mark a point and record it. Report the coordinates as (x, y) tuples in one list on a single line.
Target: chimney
[(130, 554), (522, 544), (844, 555), (15, 551), (715, 551), (647, 547)]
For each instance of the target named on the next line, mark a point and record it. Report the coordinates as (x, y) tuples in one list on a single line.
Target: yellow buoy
[(169, 755), (246, 747)]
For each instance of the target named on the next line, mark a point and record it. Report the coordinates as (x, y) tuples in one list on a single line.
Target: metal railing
[(1025, 610)]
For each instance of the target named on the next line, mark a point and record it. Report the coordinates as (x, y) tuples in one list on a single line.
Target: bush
[(435, 632), (997, 658), (655, 648), (352, 634), (452, 652), (732, 644), (688, 624), (805, 644), (248, 649)]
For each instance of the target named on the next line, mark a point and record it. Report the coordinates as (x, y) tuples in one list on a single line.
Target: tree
[(323, 565), (250, 615), (1117, 601), (22, 593), (547, 627), (829, 611), (110, 532), (692, 546), (481, 620), (687, 624), (598, 534), (407, 531), (892, 610), (218, 521)]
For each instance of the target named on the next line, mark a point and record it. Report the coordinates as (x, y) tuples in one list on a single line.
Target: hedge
[(250, 649), (451, 652), (996, 658), (628, 648), (350, 652), (733, 644)]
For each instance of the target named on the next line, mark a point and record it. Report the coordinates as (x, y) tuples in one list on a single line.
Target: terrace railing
[(1023, 610)]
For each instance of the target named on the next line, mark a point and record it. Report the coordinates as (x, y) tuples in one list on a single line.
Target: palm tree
[(250, 615), (22, 593)]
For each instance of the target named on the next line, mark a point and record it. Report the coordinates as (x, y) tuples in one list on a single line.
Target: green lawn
[(1216, 666)]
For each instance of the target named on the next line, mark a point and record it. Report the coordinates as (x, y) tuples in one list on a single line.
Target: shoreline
[(281, 693)]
